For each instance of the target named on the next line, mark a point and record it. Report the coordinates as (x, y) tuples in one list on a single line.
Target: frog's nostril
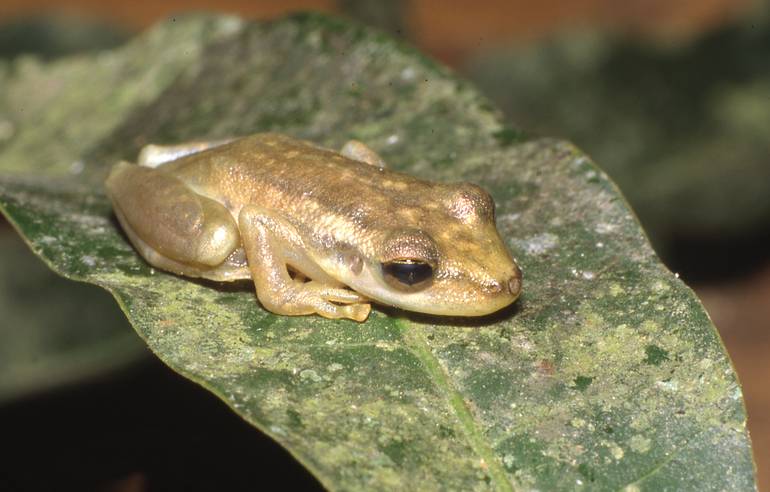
[(514, 283)]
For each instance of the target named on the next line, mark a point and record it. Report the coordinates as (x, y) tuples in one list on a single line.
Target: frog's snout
[(510, 285)]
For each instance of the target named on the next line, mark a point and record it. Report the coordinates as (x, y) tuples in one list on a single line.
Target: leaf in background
[(606, 374), (52, 36), (682, 128), (46, 338)]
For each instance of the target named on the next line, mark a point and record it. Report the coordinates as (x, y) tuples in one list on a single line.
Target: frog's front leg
[(271, 243)]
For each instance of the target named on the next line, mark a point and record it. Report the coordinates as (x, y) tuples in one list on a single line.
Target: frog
[(315, 230)]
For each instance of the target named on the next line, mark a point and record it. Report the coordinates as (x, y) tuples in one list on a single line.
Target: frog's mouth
[(445, 297)]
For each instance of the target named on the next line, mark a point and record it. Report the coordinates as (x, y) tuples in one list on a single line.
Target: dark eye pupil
[(408, 272)]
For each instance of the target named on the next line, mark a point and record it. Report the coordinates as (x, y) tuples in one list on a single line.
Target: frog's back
[(280, 172)]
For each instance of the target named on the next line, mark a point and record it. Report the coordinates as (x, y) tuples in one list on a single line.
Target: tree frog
[(317, 231)]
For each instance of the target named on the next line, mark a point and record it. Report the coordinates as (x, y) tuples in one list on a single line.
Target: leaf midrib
[(413, 336)]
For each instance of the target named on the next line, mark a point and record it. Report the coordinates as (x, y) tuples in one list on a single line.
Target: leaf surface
[(47, 338)]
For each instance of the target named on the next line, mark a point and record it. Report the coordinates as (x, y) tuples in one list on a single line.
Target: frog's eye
[(407, 274)]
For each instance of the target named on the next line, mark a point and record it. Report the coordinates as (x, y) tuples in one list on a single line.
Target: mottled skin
[(305, 223)]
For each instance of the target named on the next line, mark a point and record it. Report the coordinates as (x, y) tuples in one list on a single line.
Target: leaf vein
[(416, 342)]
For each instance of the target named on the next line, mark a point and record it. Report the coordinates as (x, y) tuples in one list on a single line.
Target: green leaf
[(606, 374), (47, 338)]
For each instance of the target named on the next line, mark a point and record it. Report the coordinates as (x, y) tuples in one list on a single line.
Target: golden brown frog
[(305, 222)]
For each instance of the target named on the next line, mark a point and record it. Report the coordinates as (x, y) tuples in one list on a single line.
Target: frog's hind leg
[(271, 243), (155, 155), (359, 151), (170, 225)]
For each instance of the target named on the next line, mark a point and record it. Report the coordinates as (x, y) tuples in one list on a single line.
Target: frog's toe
[(334, 294), (357, 312)]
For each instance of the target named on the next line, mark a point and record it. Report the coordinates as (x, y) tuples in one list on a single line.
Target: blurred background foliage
[(684, 129), (672, 99), (52, 36)]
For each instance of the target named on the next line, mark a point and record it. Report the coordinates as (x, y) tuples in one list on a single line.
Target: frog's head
[(450, 261)]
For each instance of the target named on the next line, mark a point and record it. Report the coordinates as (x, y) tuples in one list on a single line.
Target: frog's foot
[(327, 304), (155, 155), (357, 306), (358, 151), (332, 293), (268, 240)]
